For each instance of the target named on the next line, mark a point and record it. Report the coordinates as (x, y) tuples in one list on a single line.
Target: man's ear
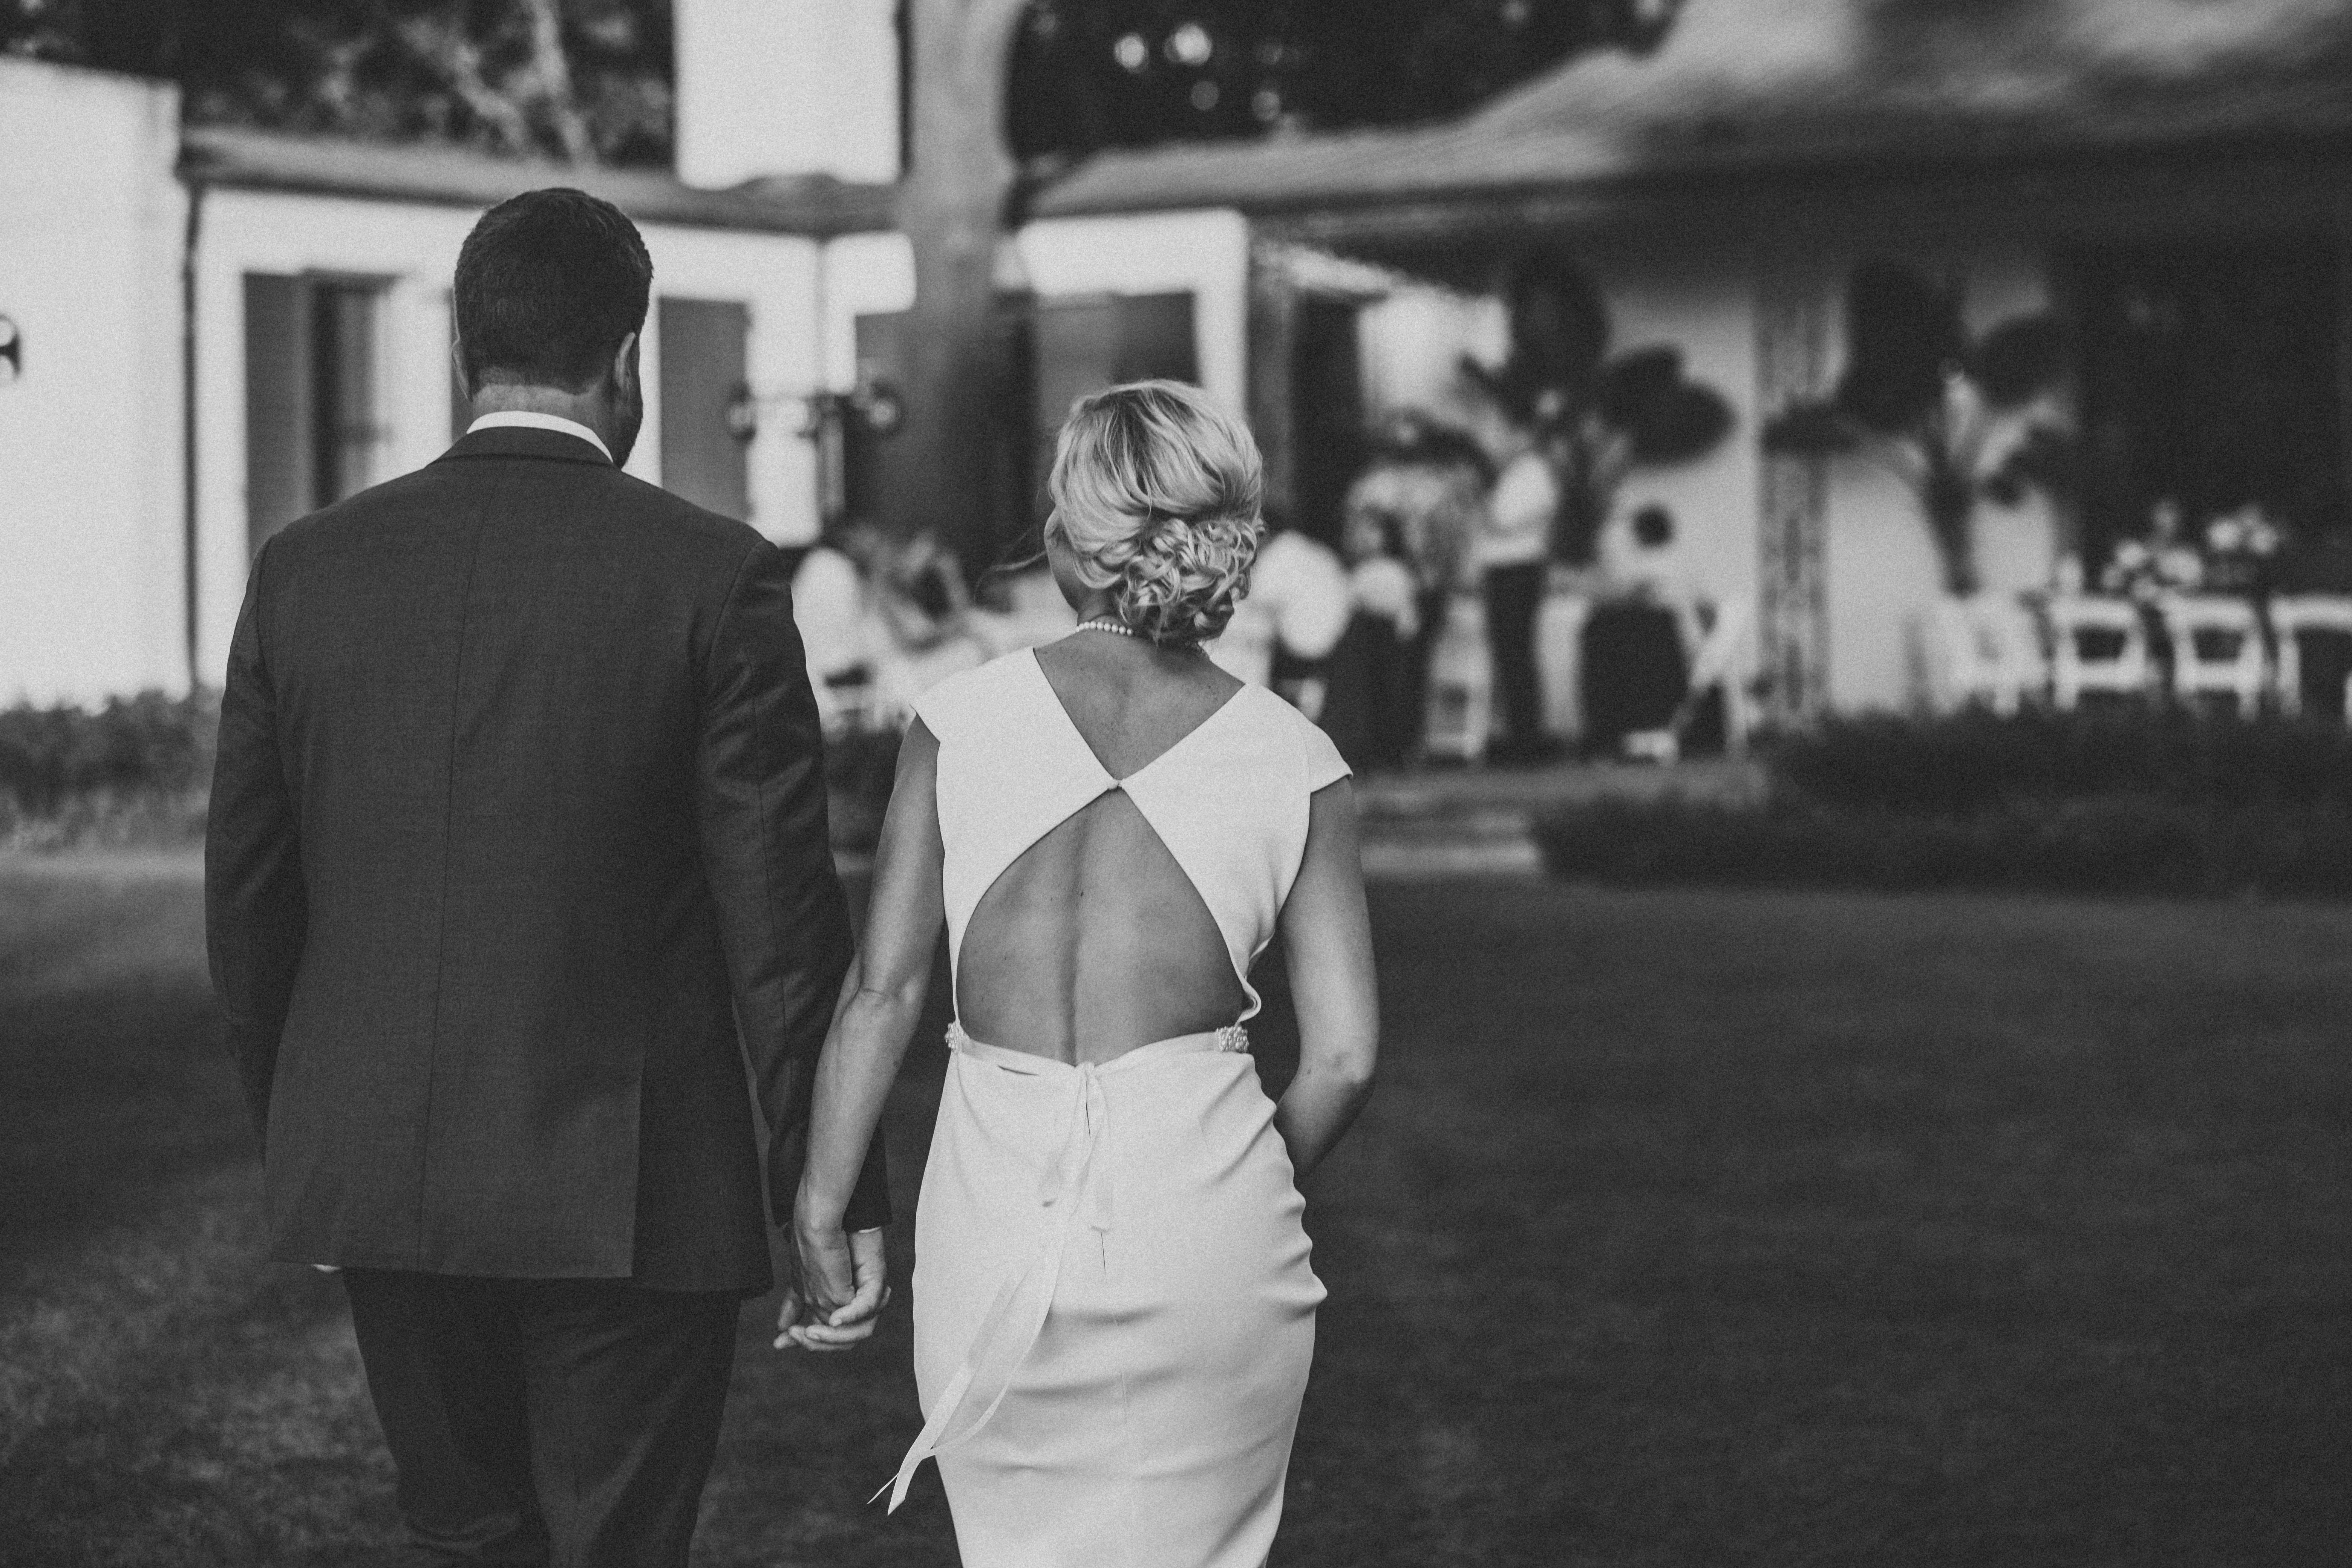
[(458, 363), (625, 364)]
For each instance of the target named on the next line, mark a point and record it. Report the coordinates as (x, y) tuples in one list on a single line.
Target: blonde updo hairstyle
[(1156, 493)]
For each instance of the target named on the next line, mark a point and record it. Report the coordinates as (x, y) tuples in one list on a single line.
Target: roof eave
[(310, 167)]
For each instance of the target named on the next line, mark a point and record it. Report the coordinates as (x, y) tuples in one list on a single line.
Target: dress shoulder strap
[(1319, 761), (950, 708)]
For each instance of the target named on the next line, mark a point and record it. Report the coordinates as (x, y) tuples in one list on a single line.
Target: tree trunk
[(1948, 497), (951, 208), (552, 68)]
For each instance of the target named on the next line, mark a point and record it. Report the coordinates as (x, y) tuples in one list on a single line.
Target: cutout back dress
[(1114, 1307)]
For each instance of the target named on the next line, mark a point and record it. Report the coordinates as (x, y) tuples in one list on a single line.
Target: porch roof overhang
[(814, 207), (1763, 117)]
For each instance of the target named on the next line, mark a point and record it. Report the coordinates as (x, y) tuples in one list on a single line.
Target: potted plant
[(1601, 416), (1959, 420)]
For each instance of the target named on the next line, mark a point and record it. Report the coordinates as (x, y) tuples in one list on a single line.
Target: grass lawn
[(1687, 1229)]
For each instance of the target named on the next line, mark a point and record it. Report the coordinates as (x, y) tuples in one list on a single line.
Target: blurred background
[(1825, 527)]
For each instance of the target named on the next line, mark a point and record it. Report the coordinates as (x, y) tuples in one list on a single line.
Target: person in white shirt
[(1511, 554), (1296, 605), (834, 607)]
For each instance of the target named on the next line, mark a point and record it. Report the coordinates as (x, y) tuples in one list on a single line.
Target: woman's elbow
[(883, 1005), (1350, 1064)]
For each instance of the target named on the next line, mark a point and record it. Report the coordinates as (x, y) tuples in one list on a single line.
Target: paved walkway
[(1478, 822)]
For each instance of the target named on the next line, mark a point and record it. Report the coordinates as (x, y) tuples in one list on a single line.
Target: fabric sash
[(1076, 1187)]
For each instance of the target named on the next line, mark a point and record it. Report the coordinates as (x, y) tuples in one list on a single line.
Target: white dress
[(1114, 1309)]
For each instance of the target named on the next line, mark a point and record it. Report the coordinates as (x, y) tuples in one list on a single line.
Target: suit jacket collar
[(518, 441)]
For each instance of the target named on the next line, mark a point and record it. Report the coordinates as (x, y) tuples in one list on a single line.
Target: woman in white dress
[(1114, 1309)]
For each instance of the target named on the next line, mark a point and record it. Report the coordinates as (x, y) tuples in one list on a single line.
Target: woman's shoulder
[(979, 692), (1296, 736)]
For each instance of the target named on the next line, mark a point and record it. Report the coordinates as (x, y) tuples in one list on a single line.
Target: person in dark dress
[(1635, 664)]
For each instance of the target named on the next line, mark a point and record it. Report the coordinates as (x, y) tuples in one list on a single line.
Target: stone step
[(1412, 841)]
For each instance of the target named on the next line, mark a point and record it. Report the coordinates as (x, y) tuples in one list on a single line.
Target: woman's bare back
[(1094, 941)]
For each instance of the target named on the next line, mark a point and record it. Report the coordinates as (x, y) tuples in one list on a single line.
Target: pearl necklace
[(1121, 629)]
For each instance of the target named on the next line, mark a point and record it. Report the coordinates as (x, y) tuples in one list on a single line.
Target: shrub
[(138, 769), (2117, 802), (2117, 844), (1976, 761), (135, 769), (150, 742)]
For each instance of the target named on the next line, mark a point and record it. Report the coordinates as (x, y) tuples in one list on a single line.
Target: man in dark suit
[(517, 850)]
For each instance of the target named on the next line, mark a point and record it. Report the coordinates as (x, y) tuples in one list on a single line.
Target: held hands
[(839, 1285)]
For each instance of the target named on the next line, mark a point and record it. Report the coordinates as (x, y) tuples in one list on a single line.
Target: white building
[(218, 331)]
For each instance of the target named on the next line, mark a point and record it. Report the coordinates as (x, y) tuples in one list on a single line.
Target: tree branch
[(550, 70), (442, 47)]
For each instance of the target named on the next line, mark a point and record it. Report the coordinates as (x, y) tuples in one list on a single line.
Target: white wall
[(786, 87), (414, 247), (1410, 343), (860, 274), (1882, 568), (1410, 346), (1705, 308), (91, 519)]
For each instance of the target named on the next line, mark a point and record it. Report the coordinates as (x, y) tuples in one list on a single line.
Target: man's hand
[(839, 1291)]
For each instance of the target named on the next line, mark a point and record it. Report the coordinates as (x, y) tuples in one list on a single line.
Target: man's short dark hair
[(548, 285), (1654, 528)]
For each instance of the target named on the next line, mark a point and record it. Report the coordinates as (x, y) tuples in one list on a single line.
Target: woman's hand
[(839, 1283)]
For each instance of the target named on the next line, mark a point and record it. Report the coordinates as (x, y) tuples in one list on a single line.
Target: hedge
[(1976, 761), (138, 771), (2145, 803), (2121, 844)]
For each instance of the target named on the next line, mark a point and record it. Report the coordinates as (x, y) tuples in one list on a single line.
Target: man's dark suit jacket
[(518, 818)]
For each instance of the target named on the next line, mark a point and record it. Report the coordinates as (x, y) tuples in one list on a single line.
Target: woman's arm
[(1328, 937), (881, 1001)]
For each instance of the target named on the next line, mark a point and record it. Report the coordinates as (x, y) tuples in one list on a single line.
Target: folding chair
[(2217, 650), (1718, 664), (2295, 618), (2098, 649), (1461, 684), (1984, 651)]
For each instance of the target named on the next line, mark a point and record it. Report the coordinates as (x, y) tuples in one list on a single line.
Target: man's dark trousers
[(517, 862), (1515, 596), (537, 1421)]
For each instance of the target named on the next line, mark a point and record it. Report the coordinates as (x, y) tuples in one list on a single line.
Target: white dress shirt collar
[(522, 419)]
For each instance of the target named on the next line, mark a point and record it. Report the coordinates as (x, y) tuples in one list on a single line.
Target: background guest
[(1375, 714), (833, 604), (1511, 552), (1637, 642), (1417, 503), (1292, 617)]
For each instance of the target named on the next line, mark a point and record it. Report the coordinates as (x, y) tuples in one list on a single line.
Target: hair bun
[(1185, 577), (1156, 491)]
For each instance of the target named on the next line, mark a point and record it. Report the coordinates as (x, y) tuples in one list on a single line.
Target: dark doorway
[(1097, 341), (1327, 413), (702, 368), (1055, 350), (2212, 376)]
